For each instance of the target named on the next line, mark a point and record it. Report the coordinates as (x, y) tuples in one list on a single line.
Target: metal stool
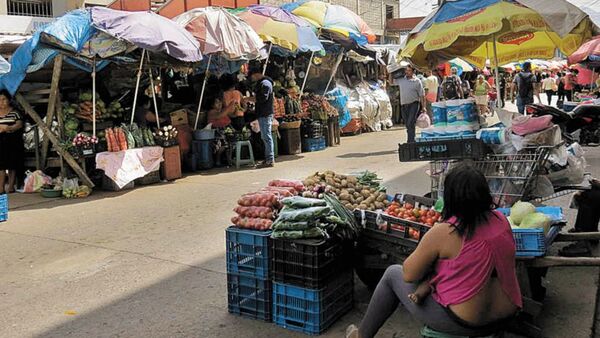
[(238, 154), (428, 332)]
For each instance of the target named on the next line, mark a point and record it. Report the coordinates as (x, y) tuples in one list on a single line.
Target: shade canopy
[(522, 30), (218, 31), (588, 53)]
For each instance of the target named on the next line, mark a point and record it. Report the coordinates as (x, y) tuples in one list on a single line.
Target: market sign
[(516, 38), (22, 25)]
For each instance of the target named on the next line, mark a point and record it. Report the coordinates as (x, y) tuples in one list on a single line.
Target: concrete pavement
[(150, 262)]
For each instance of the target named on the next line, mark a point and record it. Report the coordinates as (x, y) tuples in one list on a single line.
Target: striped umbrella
[(281, 28)]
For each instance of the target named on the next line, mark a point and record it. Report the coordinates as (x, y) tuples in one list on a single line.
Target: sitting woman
[(233, 101), (144, 113), (470, 259)]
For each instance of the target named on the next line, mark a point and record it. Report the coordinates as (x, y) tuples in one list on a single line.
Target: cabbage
[(520, 210), (510, 221), (536, 220)]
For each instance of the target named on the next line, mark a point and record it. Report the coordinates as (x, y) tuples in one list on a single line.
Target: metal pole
[(137, 85), (94, 97), (267, 60), (337, 64), (307, 71), (153, 94), (498, 98), (202, 92)]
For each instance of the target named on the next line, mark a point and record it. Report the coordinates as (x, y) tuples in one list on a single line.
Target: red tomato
[(408, 206)]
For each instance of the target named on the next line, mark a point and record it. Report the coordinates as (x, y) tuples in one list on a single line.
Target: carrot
[(108, 136), (122, 139)]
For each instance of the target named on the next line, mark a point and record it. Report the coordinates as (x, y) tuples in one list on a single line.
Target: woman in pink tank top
[(461, 279)]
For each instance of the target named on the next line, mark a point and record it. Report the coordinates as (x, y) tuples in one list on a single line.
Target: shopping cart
[(511, 177)]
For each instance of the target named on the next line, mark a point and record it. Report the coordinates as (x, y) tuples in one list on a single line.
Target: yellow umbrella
[(476, 30)]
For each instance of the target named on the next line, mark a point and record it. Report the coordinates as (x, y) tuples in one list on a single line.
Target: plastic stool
[(238, 154), (431, 333)]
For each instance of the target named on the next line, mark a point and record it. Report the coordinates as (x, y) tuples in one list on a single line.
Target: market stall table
[(123, 167)]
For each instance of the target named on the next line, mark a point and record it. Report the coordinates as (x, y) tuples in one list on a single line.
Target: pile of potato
[(348, 190)]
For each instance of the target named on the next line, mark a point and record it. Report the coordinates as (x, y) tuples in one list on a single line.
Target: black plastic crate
[(309, 263), (249, 297), (313, 129), (450, 149)]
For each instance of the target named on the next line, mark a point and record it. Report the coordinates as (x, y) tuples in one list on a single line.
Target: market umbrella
[(508, 30), (588, 53), (222, 34), (333, 18), (461, 64), (281, 28)]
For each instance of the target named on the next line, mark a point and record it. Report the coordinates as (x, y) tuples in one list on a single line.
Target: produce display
[(317, 107), (407, 211), (304, 218), (85, 107), (83, 140), (354, 192), (524, 216), (77, 192), (257, 210), (166, 136), (128, 137)]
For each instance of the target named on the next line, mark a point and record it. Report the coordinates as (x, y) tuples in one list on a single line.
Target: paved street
[(150, 262)]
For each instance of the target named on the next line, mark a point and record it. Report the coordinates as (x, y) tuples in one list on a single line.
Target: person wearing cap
[(524, 82), (412, 101), (264, 110)]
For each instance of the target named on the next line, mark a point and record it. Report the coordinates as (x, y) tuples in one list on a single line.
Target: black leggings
[(549, 94)]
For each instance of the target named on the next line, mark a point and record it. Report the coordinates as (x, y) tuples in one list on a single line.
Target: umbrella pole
[(267, 60), (202, 92), (307, 71), (94, 97), (153, 94), (498, 98), (337, 64), (137, 86)]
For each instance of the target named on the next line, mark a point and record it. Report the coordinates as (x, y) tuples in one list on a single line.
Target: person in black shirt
[(11, 142), (264, 110)]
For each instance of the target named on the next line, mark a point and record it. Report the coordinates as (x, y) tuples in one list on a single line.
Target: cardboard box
[(179, 117)]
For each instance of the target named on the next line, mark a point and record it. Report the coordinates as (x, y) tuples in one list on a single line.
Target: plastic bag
[(260, 199), (547, 137), (525, 125), (296, 184), (559, 156), (306, 214), (284, 191), (543, 187), (303, 202), (573, 174), (284, 225), (292, 234), (35, 180), (254, 212), (423, 121), (252, 223)]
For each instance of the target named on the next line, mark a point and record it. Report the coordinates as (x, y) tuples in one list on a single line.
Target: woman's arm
[(420, 262), (17, 126)]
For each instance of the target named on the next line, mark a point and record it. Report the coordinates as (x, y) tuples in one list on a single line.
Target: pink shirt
[(492, 247)]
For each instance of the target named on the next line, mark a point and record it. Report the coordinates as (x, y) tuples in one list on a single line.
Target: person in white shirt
[(548, 84), (431, 85)]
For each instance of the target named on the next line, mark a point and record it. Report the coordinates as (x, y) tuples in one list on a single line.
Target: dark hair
[(143, 100), (6, 94), (527, 66), (467, 197), (254, 69), (228, 81)]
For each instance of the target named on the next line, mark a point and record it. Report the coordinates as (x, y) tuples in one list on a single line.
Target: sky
[(412, 8)]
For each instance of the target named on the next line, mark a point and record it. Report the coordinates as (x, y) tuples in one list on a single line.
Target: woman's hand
[(4, 128)]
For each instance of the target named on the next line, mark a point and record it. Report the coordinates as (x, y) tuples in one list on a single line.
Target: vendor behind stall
[(144, 116), (232, 101), (11, 142)]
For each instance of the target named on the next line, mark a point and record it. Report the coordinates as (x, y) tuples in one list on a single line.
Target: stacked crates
[(3, 208), (249, 286), (312, 284)]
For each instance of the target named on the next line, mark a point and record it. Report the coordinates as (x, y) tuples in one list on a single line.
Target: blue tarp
[(69, 32), (340, 102)]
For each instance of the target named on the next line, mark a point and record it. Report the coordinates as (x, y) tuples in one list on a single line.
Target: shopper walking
[(569, 82), (412, 100), (524, 82), (431, 90), (468, 259), (452, 86), (264, 110), (548, 86), (561, 89), (481, 94)]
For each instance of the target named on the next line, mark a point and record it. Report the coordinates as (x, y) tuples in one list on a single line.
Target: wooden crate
[(171, 167)]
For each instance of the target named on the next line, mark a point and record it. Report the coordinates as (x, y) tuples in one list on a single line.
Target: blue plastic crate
[(249, 297), (3, 207), (312, 311), (248, 252), (313, 144), (533, 242), (555, 213)]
